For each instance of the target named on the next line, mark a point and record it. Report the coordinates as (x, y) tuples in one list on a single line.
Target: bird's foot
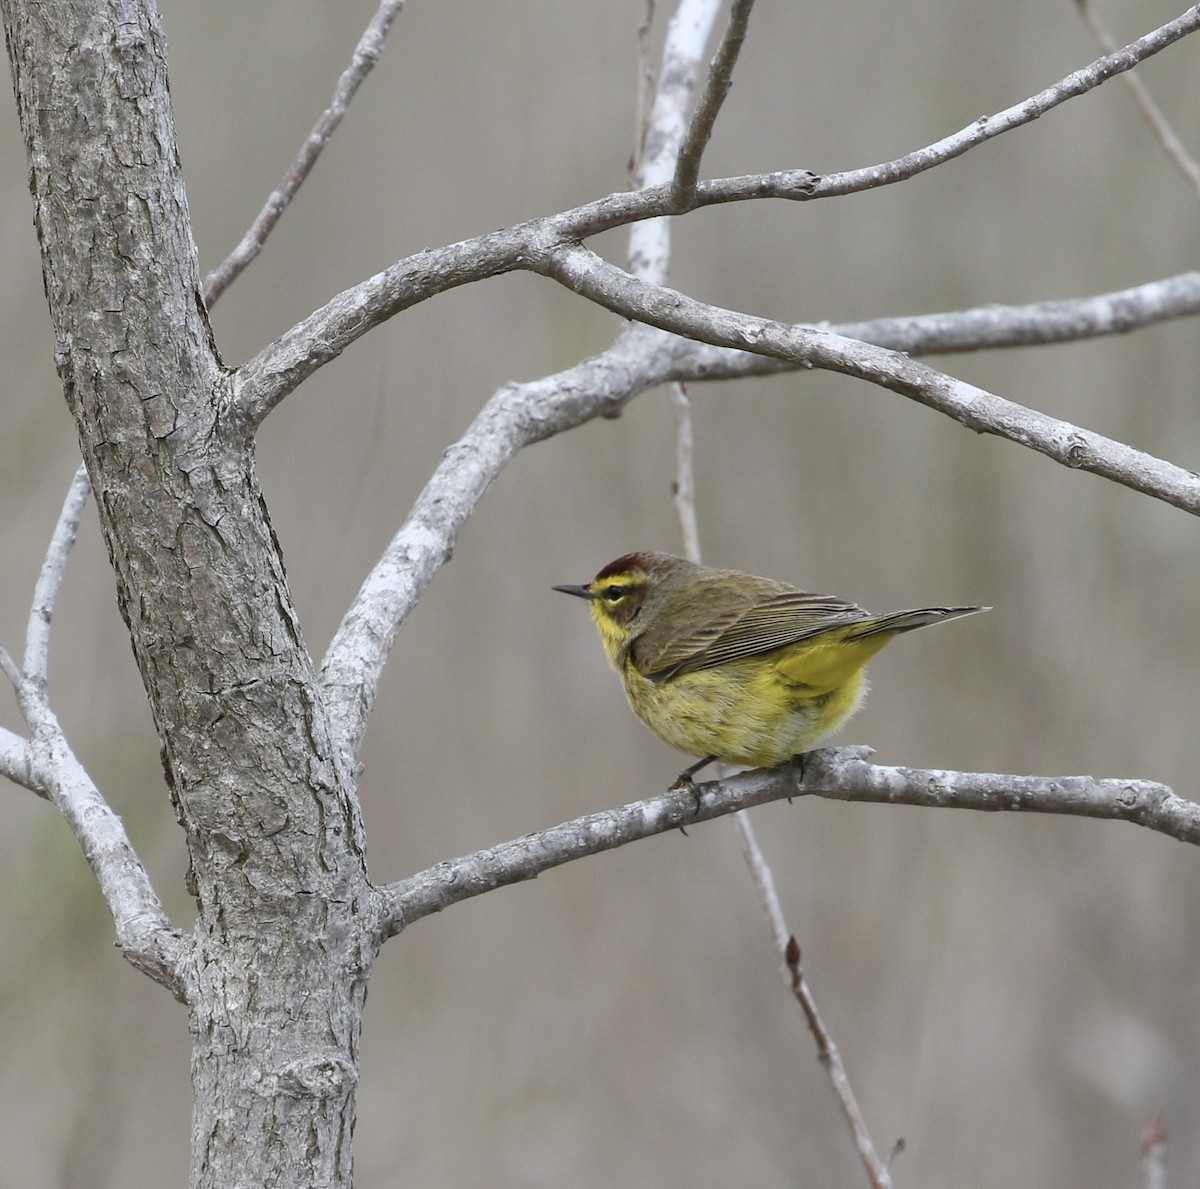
[(685, 779)]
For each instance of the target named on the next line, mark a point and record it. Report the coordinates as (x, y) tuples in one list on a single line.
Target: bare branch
[(15, 758), (264, 381), (46, 765), (827, 1051), (841, 773), (366, 54), (983, 328), (582, 271), (645, 88), (683, 489), (764, 883), (10, 669), (144, 932), (37, 635), (678, 79), (720, 79), (1150, 110), (829, 1056), (984, 129), (1038, 323)]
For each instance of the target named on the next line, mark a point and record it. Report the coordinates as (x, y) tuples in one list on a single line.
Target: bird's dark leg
[(684, 779), (798, 761)]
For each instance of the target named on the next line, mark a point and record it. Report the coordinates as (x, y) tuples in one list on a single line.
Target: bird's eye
[(614, 594)]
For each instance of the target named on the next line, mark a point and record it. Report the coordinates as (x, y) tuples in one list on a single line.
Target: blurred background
[(1016, 997)]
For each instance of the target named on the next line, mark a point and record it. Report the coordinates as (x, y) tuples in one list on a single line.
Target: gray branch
[(988, 327), (145, 934), (46, 764), (14, 762), (260, 384), (582, 271), (842, 774), (45, 594)]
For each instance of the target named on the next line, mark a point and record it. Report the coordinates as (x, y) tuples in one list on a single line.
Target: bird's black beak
[(581, 591)]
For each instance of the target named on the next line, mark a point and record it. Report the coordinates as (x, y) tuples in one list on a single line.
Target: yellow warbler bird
[(726, 666)]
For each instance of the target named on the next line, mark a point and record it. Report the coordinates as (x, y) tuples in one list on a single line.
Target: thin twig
[(828, 1054), (684, 492), (11, 670), (720, 79), (1150, 110), (37, 634), (1069, 320), (645, 89), (366, 54), (684, 498), (683, 489), (14, 753)]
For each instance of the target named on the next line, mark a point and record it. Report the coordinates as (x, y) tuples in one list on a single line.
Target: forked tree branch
[(144, 932), (716, 88), (14, 762), (46, 764), (658, 151), (521, 414), (516, 416), (841, 774), (260, 384)]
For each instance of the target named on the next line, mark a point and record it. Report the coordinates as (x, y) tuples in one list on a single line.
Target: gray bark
[(286, 930)]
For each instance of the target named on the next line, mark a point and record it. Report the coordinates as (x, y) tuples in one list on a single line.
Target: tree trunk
[(286, 930)]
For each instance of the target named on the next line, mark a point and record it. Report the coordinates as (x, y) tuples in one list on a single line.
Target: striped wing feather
[(763, 624)]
